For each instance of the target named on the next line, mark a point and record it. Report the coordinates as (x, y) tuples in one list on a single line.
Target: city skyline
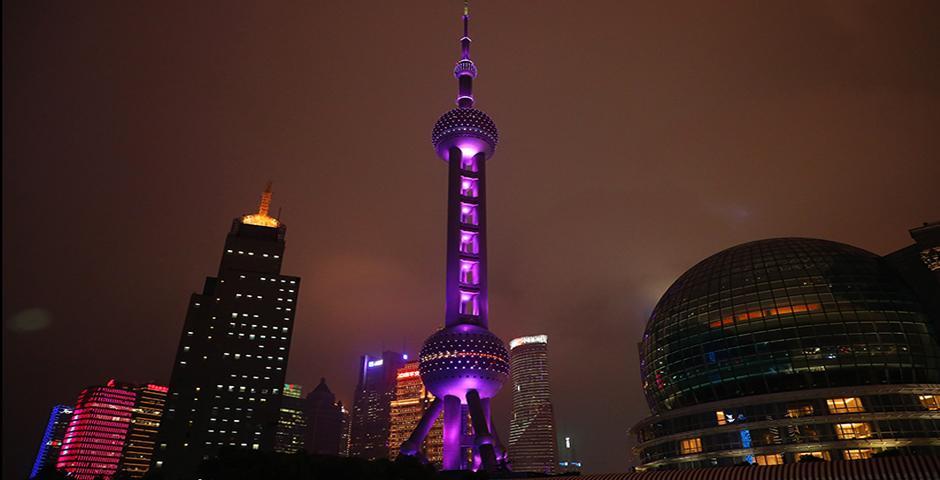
[(154, 162)]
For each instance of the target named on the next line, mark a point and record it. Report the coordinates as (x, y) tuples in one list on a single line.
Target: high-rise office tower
[(326, 422), (225, 389), (142, 432), (464, 364), (344, 436), (95, 438), (411, 401), (52, 439), (291, 422), (372, 405), (532, 446)]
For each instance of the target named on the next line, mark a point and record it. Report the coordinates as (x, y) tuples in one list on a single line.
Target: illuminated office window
[(690, 445), (771, 459), (845, 405), (930, 402), (720, 417), (800, 411), (849, 431), (820, 455), (857, 454)]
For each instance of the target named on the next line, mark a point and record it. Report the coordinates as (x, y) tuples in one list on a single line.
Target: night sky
[(636, 139)]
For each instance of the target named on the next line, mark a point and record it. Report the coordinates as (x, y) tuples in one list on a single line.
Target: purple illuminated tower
[(464, 364)]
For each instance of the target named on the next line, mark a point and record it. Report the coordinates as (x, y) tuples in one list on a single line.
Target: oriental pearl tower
[(464, 364)]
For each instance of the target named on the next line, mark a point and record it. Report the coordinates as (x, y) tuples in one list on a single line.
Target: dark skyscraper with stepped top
[(464, 364), (225, 389), (532, 444)]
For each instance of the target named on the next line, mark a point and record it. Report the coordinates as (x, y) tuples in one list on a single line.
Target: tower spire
[(265, 205), (262, 218), (465, 70)]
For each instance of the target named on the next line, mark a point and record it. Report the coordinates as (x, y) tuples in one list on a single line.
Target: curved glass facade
[(757, 332)]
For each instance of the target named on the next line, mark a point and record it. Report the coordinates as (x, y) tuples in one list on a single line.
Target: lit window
[(930, 402), (469, 272), (800, 411), (468, 303), (468, 187), (720, 416), (820, 455), (857, 454), (845, 405), (772, 459), (849, 431), (468, 163), (468, 214), (690, 445)]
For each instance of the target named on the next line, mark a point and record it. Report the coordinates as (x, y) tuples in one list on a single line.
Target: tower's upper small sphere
[(468, 129), (465, 67), (463, 357)]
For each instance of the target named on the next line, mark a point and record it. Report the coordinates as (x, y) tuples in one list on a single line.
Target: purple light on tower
[(464, 364)]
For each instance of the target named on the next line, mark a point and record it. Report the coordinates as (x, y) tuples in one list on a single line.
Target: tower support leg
[(453, 429), (412, 446), (483, 442), (497, 445)]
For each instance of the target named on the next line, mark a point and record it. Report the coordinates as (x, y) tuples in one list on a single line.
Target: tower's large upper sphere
[(463, 357), (468, 129), (781, 315)]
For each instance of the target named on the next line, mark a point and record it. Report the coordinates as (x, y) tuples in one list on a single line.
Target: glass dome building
[(781, 349)]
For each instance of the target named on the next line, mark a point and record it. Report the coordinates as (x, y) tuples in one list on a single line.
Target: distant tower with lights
[(464, 365), (228, 376), (532, 445), (372, 405)]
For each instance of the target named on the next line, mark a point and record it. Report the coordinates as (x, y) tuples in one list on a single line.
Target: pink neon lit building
[(94, 440)]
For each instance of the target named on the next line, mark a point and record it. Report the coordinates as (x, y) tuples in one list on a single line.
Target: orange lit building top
[(262, 219)]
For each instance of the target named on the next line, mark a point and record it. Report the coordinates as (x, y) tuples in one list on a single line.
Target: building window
[(720, 417), (469, 272), (849, 431), (468, 214), (845, 405), (930, 402), (468, 163), (468, 243), (469, 304), (820, 455), (468, 187), (800, 411), (690, 445), (772, 459), (857, 454)]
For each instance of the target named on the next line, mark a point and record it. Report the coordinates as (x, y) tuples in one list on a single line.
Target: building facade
[(52, 439), (532, 444), (228, 375), (372, 403), (569, 462), (143, 429), (96, 435), (778, 350), (327, 422), (412, 399), (291, 422)]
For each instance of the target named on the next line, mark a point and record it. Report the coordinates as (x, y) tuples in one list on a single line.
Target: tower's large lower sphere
[(464, 357)]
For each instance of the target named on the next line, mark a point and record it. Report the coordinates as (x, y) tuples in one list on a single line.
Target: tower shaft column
[(466, 239)]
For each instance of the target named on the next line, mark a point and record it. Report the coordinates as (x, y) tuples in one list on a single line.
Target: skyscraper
[(142, 433), (464, 364), (411, 401), (95, 438), (225, 389), (52, 439), (372, 405), (532, 445), (326, 422), (291, 422)]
